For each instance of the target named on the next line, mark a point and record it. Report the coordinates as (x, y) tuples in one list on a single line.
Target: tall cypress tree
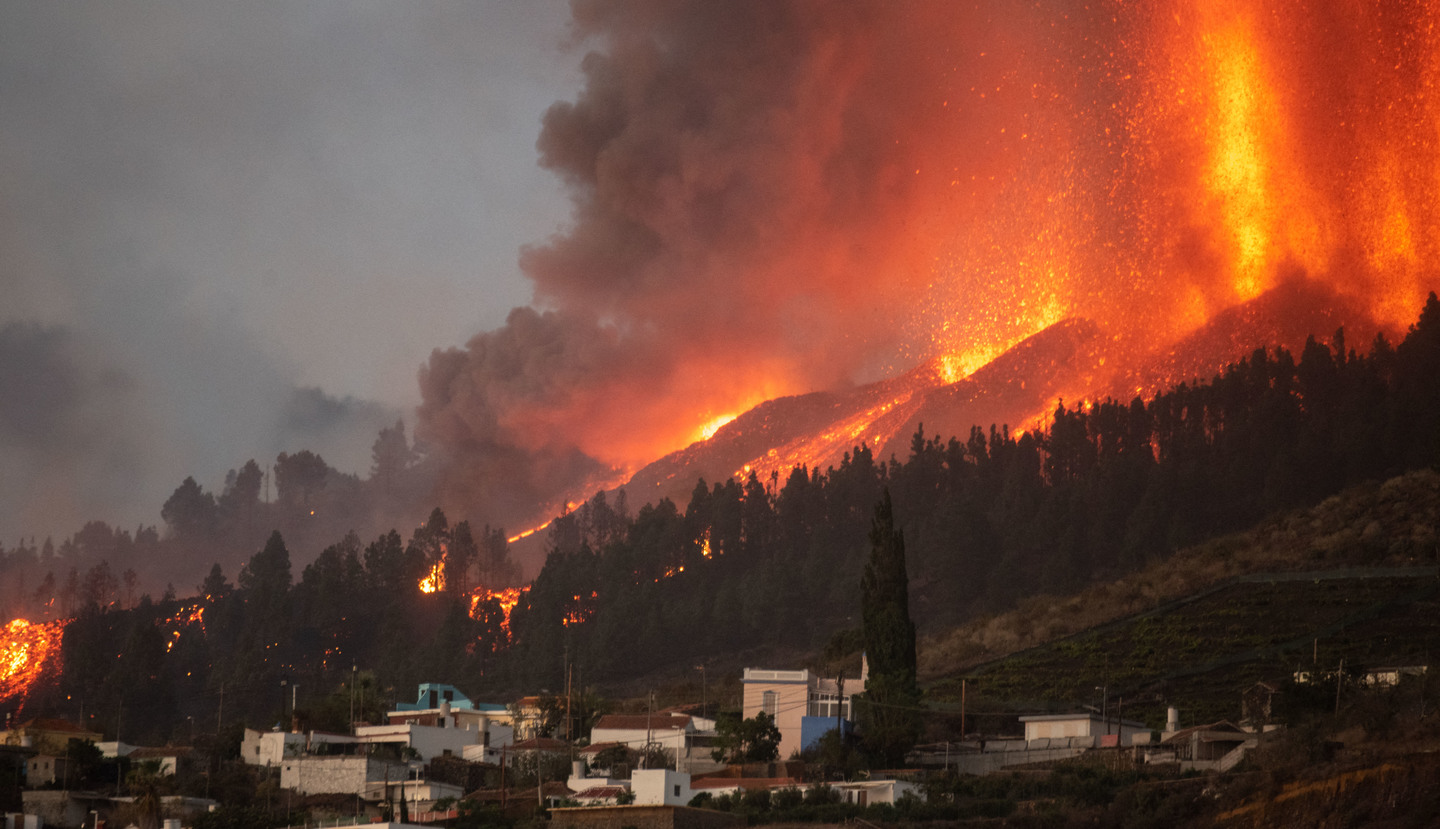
[(888, 712)]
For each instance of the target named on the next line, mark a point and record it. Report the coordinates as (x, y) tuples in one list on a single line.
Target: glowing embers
[(26, 651), (434, 582), (705, 550), (188, 615), (481, 602), (581, 609)]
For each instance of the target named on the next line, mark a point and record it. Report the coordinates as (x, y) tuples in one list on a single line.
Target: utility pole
[(1339, 677), (119, 712), (354, 671), (962, 713), (645, 758)]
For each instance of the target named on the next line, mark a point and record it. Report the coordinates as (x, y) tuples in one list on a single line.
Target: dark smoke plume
[(744, 225), (773, 197)]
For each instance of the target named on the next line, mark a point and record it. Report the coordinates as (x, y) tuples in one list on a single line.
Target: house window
[(677, 789), (829, 705), (770, 703)]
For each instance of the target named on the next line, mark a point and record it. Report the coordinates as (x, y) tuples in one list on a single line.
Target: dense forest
[(760, 567)]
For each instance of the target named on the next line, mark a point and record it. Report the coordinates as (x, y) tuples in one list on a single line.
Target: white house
[(669, 731), (865, 792), (428, 741), (1047, 727), (660, 787)]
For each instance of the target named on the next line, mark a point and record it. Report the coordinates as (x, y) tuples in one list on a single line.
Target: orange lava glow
[(435, 580), (708, 430), (582, 608), (28, 651), (527, 533), (193, 614), (508, 598)]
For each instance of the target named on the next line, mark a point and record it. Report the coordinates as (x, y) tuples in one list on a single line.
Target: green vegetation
[(888, 713), (1202, 654)]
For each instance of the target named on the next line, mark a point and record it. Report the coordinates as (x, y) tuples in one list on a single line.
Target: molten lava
[(188, 615), (507, 598), (28, 652)]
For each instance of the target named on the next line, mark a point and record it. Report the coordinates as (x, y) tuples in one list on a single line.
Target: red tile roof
[(743, 783), (639, 722), (53, 725), (601, 793)]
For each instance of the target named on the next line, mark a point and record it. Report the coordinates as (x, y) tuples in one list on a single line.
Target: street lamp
[(704, 708)]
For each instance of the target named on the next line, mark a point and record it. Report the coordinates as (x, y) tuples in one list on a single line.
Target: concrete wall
[(55, 808), (337, 775)]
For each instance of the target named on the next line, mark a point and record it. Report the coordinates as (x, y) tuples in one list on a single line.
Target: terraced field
[(1202, 652)]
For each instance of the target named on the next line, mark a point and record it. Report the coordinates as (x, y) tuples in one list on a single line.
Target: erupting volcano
[(1067, 200)]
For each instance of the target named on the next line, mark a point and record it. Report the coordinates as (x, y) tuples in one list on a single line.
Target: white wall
[(429, 741), (660, 787), (267, 748)]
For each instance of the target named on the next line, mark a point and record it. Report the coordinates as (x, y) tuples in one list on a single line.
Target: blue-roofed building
[(434, 693)]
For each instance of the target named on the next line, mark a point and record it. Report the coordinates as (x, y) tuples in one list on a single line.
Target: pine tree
[(888, 712)]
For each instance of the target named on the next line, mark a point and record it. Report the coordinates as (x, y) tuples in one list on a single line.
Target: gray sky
[(209, 207)]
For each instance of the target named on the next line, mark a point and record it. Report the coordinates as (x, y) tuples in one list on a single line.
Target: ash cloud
[(773, 197), (746, 222)]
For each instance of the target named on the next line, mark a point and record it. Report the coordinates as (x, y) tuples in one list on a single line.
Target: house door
[(860, 798)]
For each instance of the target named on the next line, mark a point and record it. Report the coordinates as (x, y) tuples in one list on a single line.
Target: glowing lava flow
[(27, 651), (508, 598)]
